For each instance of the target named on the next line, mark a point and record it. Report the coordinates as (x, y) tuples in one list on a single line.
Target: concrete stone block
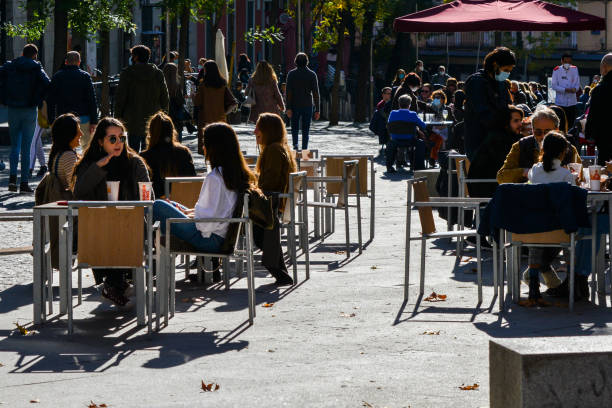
[(551, 372), (432, 177)]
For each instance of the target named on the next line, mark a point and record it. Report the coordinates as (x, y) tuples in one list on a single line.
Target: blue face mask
[(436, 102), (502, 76), (401, 76)]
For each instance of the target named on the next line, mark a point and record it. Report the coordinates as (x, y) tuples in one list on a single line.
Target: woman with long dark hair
[(109, 158), (229, 177), (165, 156), (66, 136), (267, 95), (274, 165), (213, 98)]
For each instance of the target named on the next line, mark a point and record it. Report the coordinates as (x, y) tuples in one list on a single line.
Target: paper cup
[(145, 189), (575, 168), (112, 189), (595, 177)]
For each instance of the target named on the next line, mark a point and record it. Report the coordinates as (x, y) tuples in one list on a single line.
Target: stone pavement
[(344, 338)]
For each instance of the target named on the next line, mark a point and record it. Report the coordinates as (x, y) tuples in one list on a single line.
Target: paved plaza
[(343, 338)]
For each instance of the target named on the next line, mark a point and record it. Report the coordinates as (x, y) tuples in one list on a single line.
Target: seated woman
[(165, 156), (438, 134), (66, 136), (229, 176), (548, 170), (109, 158), (273, 166)]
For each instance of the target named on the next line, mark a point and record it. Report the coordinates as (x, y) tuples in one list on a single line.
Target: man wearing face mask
[(565, 82), (598, 121), (422, 72), (487, 98), (440, 77), (409, 87)]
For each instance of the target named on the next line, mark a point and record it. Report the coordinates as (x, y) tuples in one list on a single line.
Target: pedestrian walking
[(598, 120), (72, 91), (23, 85), (268, 98), (487, 98), (142, 91), (566, 82), (178, 113), (36, 148), (214, 100), (302, 98)]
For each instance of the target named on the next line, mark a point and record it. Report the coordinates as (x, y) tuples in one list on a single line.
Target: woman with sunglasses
[(109, 158)]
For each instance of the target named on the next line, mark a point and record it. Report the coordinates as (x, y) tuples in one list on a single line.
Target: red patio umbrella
[(497, 15)]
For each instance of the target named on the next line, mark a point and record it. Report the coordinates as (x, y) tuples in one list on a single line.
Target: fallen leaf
[(342, 314), (268, 304), (340, 252), (473, 387), (94, 405), (22, 330), (435, 297), (431, 333), (34, 401), (468, 259), (270, 351), (209, 387), (373, 267), (367, 404)]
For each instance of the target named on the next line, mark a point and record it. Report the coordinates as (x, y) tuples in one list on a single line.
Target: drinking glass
[(445, 114)]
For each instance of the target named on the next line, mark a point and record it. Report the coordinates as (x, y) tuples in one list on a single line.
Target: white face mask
[(566, 65), (414, 88)]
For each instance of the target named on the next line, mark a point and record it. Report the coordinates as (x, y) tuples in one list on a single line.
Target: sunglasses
[(113, 139)]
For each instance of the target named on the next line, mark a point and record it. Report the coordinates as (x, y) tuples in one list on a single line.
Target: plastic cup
[(575, 168), (112, 189), (595, 177), (145, 189)]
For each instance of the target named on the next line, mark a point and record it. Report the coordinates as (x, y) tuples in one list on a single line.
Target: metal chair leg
[(423, 246), (226, 273)]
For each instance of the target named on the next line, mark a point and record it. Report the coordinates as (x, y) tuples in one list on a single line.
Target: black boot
[(581, 288), (534, 288), (12, 186), (41, 172), (25, 188), (282, 277)]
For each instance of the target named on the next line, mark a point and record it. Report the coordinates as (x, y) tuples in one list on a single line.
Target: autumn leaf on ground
[(94, 405), (431, 333), (340, 252), (435, 297), (468, 259), (268, 304), (473, 387), (367, 404), (34, 401), (209, 387), (342, 314), (374, 267)]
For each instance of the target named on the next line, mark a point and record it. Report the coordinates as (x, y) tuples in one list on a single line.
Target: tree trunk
[(173, 33), (104, 97), (334, 112), (60, 42), (183, 43), (361, 101)]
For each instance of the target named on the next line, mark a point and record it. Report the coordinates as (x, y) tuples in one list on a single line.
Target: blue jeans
[(22, 122), (417, 161), (162, 210), (583, 247), (305, 114)]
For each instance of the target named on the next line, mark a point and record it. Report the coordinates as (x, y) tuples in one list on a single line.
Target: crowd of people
[(509, 132)]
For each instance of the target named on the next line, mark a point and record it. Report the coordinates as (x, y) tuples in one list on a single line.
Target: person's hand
[(289, 113), (92, 129), (104, 161), (317, 115)]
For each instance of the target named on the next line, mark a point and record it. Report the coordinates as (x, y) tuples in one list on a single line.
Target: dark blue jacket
[(533, 208), (72, 91), (486, 103), (23, 83)]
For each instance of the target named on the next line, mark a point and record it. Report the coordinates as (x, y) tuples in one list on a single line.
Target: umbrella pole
[(478, 53), (447, 56)]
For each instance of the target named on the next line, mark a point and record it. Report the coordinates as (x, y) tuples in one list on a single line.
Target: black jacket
[(72, 91), (488, 160), (23, 83), (598, 120), (302, 89), (166, 160), (486, 101)]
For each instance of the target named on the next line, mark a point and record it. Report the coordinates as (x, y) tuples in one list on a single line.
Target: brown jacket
[(213, 104), (268, 99), (274, 167), (511, 172)]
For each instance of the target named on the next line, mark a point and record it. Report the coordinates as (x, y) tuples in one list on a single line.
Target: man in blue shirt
[(402, 126)]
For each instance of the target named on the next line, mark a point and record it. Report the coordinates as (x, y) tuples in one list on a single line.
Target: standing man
[(23, 85), (441, 77), (302, 97), (142, 91), (598, 120), (566, 82), (72, 91), (422, 72)]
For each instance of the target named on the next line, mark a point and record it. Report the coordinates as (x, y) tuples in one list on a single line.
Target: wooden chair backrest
[(298, 184), (111, 236), (186, 192), (549, 237), (333, 168), (421, 193)]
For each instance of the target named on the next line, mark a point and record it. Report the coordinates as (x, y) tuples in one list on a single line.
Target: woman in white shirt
[(549, 169), (230, 176)]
